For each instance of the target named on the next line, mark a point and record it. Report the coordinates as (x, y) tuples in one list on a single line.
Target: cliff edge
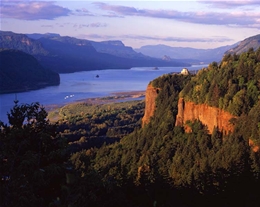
[(210, 116), (150, 105)]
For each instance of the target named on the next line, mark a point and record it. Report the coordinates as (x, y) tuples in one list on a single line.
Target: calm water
[(81, 85)]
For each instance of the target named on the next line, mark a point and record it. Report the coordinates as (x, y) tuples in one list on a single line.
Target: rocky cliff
[(210, 116), (150, 105)]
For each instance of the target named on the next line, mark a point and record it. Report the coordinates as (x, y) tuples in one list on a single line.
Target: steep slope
[(220, 96), (191, 55), (161, 164), (20, 71), (68, 54), (116, 48), (212, 117), (150, 105), (245, 45), (11, 40)]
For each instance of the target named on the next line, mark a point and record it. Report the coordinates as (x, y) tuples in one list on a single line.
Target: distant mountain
[(243, 46), (185, 54), (65, 54), (113, 47), (20, 71), (117, 48), (37, 36), (10, 40)]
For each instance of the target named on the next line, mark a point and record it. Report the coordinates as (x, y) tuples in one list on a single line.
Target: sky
[(199, 24)]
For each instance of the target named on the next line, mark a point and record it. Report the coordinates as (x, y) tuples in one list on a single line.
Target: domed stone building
[(185, 71)]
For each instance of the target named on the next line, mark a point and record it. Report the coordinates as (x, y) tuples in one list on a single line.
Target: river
[(88, 84)]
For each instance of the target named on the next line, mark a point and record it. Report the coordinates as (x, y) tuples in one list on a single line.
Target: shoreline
[(112, 98)]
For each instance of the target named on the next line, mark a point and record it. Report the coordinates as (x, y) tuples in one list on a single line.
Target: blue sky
[(191, 23)]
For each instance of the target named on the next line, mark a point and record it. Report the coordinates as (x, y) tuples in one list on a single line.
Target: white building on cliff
[(185, 71)]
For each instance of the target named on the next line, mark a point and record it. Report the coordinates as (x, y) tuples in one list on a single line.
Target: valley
[(193, 141)]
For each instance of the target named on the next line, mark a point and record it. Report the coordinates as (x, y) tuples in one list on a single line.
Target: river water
[(82, 85)]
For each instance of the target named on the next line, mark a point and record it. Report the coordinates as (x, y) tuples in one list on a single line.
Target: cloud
[(47, 25), (177, 39), (32, 10), (83, 12), (80, 26), (156, 38), (113, 15), (231, 4), (245, 19), (100, 37)]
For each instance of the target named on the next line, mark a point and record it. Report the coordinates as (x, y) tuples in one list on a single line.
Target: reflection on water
[(81, 85)]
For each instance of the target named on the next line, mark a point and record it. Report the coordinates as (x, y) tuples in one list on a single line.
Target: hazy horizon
[(196, 24)]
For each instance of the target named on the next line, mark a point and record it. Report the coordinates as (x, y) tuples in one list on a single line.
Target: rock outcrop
[(189, 111), (253, 146), (209, 116), (150, 105)]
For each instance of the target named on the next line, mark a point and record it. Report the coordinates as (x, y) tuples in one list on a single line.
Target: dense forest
[(20, 71), (73, 162)]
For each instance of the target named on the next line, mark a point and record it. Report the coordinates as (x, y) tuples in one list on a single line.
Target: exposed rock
[(166, 58), (245, 45), (150, 96), (209, 116), (253, 146)]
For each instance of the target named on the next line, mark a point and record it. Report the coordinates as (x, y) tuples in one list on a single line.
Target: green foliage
[(22, 72), (32, 158), (232, 85), (189, 169), (91, 125), (160, 164)]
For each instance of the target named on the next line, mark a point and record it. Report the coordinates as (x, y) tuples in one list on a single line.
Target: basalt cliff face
[(209, 116), (150, 105), (189, 111)]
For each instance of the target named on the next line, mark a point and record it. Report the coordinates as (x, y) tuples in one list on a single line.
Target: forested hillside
[(64, 54), (159, 164), (20, 71), (232, 85)]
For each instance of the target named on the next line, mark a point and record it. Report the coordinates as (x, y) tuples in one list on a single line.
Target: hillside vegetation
[(64, 54), (157, 165), (20, 71), (232, 85)]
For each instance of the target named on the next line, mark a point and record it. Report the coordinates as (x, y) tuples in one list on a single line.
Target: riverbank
[(112, 98)]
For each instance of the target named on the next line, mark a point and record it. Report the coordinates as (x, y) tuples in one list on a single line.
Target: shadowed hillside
[(20, 71), (198, 145), (65, 54)]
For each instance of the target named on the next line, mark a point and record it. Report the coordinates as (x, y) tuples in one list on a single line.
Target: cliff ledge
[(210, 116), (150, 105)]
